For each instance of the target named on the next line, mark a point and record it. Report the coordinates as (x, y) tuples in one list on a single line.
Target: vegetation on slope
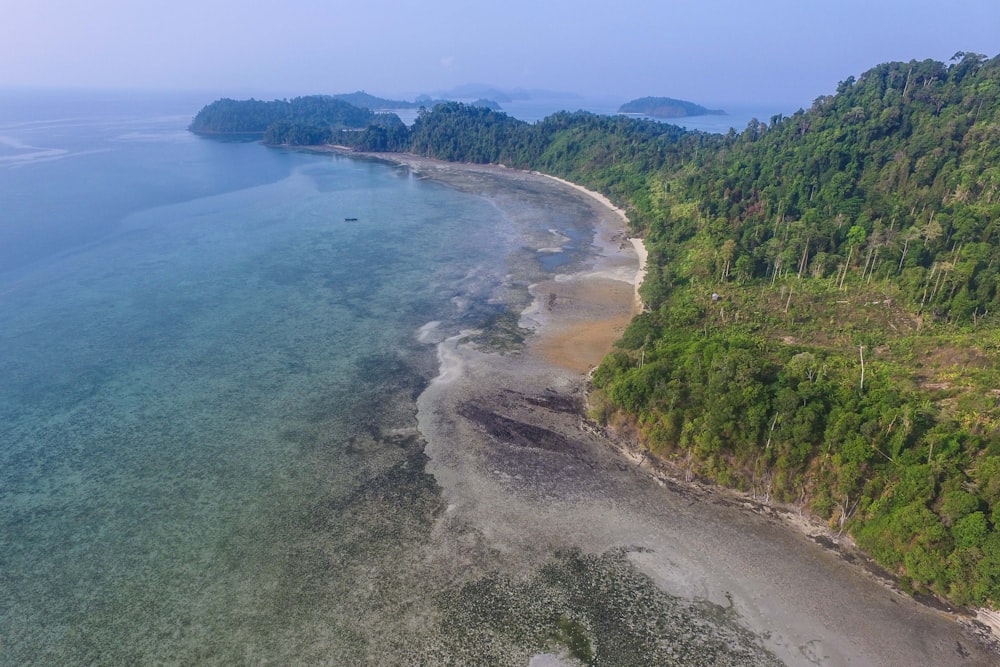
[(848, 360)]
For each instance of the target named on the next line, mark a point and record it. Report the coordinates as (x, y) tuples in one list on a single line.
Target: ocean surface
[(199, 358), (210, 358)]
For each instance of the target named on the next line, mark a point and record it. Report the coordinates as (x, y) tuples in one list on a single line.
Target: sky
[(707, 51)]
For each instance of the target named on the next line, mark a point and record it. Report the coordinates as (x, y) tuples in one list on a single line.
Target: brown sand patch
[(583, 318), (581, 347)]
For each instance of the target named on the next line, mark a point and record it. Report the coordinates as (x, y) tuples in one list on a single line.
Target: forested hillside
[(849, 358), (822, 300)]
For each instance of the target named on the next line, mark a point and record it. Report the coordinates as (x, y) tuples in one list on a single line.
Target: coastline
[(578, 492), (810, 527), (637, 243)]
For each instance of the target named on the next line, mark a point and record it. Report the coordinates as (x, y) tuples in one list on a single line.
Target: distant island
[(666, 107), (314, 115), (313, 119), (470, 91)]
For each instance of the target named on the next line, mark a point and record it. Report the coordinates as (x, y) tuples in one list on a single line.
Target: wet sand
[(521, 467)]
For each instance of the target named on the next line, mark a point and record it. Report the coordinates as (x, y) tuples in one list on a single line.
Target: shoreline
[(637, 243), (546, 374), (813, 528)]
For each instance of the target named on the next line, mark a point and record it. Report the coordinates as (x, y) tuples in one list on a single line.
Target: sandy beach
[(524, 470)]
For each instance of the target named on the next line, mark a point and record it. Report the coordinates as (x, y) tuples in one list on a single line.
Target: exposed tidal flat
[(712, 579), (242, 430)]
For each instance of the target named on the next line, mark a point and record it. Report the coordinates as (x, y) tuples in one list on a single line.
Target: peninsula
[(821, 301)]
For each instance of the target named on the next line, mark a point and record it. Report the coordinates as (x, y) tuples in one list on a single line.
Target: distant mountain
[(363, 100), (489, 104), (666, 107), (503, 95), (481, 91)]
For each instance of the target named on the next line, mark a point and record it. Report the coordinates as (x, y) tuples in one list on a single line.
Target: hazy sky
[(710, 51)]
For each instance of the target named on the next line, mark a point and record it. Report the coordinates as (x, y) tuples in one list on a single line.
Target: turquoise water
[(199, 358), (209, 450)]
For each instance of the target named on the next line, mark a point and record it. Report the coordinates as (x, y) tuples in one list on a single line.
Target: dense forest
[(666, 107), (849, 358), (312, 120), (307, 120), (821, 300)]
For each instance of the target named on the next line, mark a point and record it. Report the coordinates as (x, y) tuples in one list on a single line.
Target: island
[(666, 107), (315, 119), (299, 121)]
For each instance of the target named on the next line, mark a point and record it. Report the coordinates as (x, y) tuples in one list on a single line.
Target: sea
[(196, 344), (210, 353)]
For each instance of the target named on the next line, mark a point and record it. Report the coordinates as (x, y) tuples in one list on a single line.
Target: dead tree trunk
[(861, 351)]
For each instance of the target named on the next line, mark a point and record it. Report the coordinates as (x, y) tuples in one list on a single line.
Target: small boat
[(350, 219)]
